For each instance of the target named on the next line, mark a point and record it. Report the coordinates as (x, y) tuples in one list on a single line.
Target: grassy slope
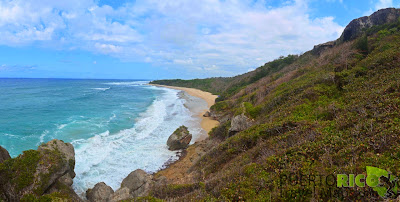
[(226, 87), (328, 114)]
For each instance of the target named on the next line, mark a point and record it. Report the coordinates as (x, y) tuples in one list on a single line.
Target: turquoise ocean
[(116, 126)]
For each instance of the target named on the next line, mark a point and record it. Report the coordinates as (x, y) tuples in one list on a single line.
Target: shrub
[(362, 44)]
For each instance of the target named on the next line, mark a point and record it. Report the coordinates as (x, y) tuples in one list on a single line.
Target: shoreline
[(207, 123)]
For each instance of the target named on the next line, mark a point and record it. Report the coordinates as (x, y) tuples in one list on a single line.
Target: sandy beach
[(207, 123)]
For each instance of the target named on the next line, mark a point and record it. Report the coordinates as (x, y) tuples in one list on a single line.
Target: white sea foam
[(110, 157), (9, 135), (112, 118), (61, 126), (41, 138), (101, 89), (128, 83)]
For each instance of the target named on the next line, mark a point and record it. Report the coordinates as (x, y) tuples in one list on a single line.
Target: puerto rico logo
[(381, 181)]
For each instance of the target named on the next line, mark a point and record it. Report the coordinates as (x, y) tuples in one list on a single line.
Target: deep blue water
[(116, 126)]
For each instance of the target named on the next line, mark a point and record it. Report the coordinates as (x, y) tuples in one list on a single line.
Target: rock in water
[(239, 123), (100, 192), (39, 172), (180, 139), (4, 155)]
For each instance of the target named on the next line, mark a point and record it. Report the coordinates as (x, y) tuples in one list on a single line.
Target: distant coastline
[(207, 123)]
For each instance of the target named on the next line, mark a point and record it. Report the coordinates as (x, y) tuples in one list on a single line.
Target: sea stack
[(180, 139)]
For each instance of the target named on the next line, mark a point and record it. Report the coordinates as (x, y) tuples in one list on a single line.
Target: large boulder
[(138, 182), (100, 192), (39, 172), (239, 123), (180, 139), (4, 155), (120, 194), (207, 114)]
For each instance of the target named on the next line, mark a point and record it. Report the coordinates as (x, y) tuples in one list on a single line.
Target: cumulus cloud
[(212, 35)]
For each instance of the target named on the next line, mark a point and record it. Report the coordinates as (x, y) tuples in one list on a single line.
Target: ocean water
[(116, 126)]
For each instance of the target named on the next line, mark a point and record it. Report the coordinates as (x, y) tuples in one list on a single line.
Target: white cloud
[(222, 36), (383, 4), (183, 61), (378, 5), (250, 69), (332, 1), (107, 48)]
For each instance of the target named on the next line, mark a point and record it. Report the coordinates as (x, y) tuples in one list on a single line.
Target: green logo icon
[(381, 181), (388, 186)]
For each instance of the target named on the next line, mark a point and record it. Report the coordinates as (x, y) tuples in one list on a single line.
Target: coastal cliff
[(358, 26), (334, 109), (331, 110)]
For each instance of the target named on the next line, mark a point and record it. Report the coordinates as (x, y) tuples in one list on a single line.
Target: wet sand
[(207, 123)]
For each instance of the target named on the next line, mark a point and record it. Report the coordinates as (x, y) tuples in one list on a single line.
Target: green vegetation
[(337, 112), (29, 174), (145, 199), (56, 196), (20, 171), (54, 160), (226, 87), (362, 45)]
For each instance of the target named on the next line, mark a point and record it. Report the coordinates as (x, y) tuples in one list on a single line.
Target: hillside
[(294, 129), (333, 110)]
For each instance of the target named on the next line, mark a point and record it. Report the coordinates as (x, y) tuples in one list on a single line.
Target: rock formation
[(180, 139), (37, 173), (137, 184), (239, 123), (207, 114), (322, 47), (356, 27), (4, 155), (100, 192), (120, 194)]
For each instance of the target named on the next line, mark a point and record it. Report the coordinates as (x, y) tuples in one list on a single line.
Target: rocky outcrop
[(100, 192), (39, 172), (4, 155), (137, 184), (180, 139), (239, 123), (207, 114), (120, 194), (356, 27), (318, 49)]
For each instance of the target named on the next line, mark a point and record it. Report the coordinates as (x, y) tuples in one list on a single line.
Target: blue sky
[(150, 39)]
